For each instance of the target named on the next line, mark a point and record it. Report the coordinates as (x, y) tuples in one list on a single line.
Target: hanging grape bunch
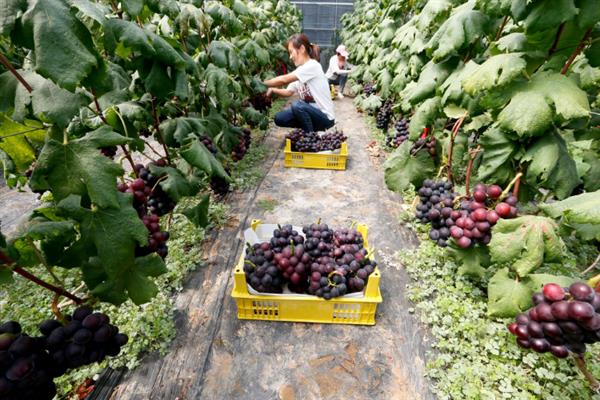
[(436, 207), (109, 151), (209, 144), (368, 89), (384, 115), (26, 369), (242, 147), (157, 239), (261, 102), (477, 215), (562, 320), (220, 186), (425, 141), (28, 365), (158, 202), (260, 270), (400, 134)]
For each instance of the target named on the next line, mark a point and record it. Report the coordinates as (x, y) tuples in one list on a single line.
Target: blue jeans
[(339, 80), (305, 116)]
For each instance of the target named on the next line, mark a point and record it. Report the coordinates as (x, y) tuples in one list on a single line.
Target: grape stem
[(592, 266), (581, 365), (516, 179), (59, 291), (453, 136), (501, 28), (561, 28), (576, 52), (158, 132), (472, 154), (56, 309), (4, 61)]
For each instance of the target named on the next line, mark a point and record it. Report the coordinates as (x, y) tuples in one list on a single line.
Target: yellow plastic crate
[(295, 159), (356, 311)]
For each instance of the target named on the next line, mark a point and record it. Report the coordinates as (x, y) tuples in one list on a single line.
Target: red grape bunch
[(261, 102), (562, 320), (209, 144), (327, 284), (260, 269), (293, 262), (319, 240), (400, 134), (424, 142), (475, 219), (311, 142), (242, 147), (109, 151), (157, 239), (284, 236), (384, 115)]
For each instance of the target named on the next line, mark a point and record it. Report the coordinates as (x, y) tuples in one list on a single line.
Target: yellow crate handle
[(255, 223)]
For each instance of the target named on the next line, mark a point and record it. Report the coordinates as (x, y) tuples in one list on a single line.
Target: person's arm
[(280, 92), (281, 80)]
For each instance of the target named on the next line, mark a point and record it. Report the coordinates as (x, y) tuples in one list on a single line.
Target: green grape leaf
[(93, 10), (498, 151), (19, 147), (197, 155), (158, 82), (220, 85), (548, 98), (432, 75), (552, 166), (495, 71), (526, 243), (425, 115), (459, 31), (548, 14), (224, 55), (506, 296), (537, 281), (593, 54), (473, 262), (113, 234), (452, 87), (77, 167), (512, 43), (253, 50), (198, 215), (402, 169), (588, 13), (9, 10), (433, 13), (174, 183), (49, 102), (133, 7), (581, 211), (44, 231), (58, 39)]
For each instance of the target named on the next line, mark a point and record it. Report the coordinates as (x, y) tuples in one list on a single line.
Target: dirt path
[(217, 356)]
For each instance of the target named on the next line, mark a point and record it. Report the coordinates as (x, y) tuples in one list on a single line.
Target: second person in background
[(339, 68), (314, 111)]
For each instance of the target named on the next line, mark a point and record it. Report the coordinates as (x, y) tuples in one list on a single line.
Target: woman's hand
[(269, 92)]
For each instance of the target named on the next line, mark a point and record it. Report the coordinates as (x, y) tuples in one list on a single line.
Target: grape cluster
[(159, 202), (475, 219), (261, 102), (28, 365), (284, 236), (261, 272), (86, 338), (220, 186), (109, 151), (26, 369), (312, 142), (326, 263), (436, 206), (209, 144), (424, 142), (384, 115), (400, 134), (562, 320), (242, 147), (157, 240), (368, 89)]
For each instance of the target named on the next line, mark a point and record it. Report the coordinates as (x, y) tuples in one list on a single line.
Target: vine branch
[(453, 136), (472, 154), (576, 52), (501, 28), (4, 61), (59, 291), (592, 266), (158, 132), (559, 33), (581, 365)]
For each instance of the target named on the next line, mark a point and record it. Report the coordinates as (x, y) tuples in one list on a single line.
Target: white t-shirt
[(313, 85), (334, 68)]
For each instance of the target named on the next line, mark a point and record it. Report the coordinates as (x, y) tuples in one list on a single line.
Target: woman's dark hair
[(300, 39)]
